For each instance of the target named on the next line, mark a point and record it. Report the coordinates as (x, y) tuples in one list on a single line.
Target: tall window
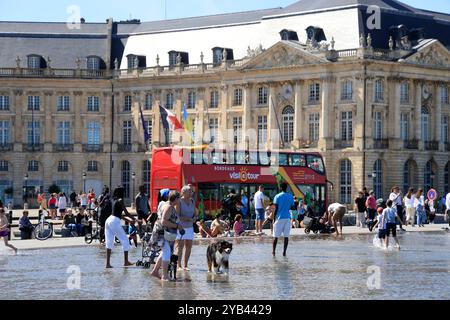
[(126, 133), (63, 133), (288, 124), (404, 93), (213, 130), (63, 103), (149, 125), (446, 179), (63, 166), (126, 175), (428, 181), (93, 63), (262, 130), (128, 103), (34, 103), (5, 132), (314, 93), (148, 101), (33, 166), (347, 90), (404, 126), (34, 132), (425, 124), (347, 126), (263, 96), (237, 129), (237, 100), (379, 92), (377, 126), (346, 181), (169, 100), (94, 104), (378, 179), (4, 103), (214, 99), (92, 166), (4, 166), (93, 129), (146, 175), (192, 100), (444, 95), (314, 125), (444, 129)]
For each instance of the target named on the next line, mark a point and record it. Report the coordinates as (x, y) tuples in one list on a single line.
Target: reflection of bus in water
[(214, 173)]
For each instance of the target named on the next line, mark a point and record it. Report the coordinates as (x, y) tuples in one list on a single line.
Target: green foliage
[(54, 189)]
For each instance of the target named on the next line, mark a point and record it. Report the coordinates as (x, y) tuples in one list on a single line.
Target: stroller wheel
[(316, 231), (307, 231), (138, 264), (147, 265)]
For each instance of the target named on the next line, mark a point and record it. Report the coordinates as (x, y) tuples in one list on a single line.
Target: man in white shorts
[(282, 226)]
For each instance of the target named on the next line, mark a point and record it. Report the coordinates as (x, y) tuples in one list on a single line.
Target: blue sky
[(148, 10)]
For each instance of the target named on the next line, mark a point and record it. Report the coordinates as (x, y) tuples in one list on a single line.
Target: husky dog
[(217, 255)]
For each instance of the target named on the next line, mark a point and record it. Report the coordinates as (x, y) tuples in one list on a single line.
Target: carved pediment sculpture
[(433, 55)]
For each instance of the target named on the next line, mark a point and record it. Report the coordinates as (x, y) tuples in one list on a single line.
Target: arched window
[(446, 179), (346, 181), (378, 179), (425, 124), (288, 124), (428, 182), (146, 175), (126, 177)]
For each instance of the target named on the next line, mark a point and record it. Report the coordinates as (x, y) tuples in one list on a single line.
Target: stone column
[(438, 116), (78, 126), (157, 131), (327, 110), (393, 117), (358, 121), (299, 121), (19, 105), (179, 96), (136, 116), (107, 121), (202, 107), (223, 126), (418, 114), (274, 140), (249, 132)]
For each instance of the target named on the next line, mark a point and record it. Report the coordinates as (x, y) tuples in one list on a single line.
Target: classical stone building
[(374, 102)]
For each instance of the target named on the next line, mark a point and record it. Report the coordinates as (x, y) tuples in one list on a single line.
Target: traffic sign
[(432, 195)]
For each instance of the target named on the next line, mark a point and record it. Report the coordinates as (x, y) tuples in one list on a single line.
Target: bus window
[(315, 163), (219, 157), (298, 160), (197, 157), (241, 157), (280, 159), (284, 159), (230, 157), (208, 196), (253, 158), (264, 159)]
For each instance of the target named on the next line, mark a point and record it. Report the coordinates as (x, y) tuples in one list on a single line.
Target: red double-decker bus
[(214, 173)]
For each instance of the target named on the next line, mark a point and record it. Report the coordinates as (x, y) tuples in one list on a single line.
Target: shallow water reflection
[(316, 268)]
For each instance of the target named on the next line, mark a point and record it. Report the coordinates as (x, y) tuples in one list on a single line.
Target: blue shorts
[(382, 234), (259, 214)]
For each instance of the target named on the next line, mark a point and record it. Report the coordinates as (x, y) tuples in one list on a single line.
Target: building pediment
[(284, 54), (433, 54)]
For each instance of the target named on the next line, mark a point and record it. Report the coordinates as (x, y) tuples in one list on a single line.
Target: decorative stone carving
[(18, 93), (427, 96), (432, 58), (157, 60), (78, 62), (116, 64), (18, 62), (202, 57), (78, 93), (178, 59), (224, 55), (369, 41), (332, 43), (391, 43), (254, 52), (362, 41), (49, 61), (282, 57)]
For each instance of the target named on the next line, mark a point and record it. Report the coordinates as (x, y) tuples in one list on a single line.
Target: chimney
[(82, 20)]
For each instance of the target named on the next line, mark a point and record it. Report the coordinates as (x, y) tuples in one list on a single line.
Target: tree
[(54, 189)]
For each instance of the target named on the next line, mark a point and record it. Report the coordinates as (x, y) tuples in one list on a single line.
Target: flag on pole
[(169, 120), (146, 133), (188, 126)]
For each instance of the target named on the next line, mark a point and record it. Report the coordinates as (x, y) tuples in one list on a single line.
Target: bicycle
[(43, 230), (88, 238)]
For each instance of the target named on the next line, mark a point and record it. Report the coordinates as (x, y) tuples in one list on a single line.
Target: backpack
[(107, 206)]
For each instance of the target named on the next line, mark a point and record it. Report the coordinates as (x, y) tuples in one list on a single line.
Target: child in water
[(4, 229)]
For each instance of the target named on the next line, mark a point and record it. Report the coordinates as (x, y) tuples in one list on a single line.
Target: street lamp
[(25, 197), (133, 177), (84, 182)]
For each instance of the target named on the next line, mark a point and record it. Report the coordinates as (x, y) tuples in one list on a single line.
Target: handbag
[(169, 236)]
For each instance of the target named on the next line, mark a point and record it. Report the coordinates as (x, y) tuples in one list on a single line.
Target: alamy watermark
[(374, 280), (74, 20), (374, 20), (74, 279)]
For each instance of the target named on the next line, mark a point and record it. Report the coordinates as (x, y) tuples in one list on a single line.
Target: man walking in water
[(259, 208), (282, 226)]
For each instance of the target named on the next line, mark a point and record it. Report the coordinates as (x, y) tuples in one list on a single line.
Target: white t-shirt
[(62, 203), (409, 203), (396, 198), (447, 201), (83, 200), (420, 201), (259, 200)]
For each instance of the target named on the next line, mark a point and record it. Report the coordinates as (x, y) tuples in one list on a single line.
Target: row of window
[(409, 178), (38, 62), (63, 166)]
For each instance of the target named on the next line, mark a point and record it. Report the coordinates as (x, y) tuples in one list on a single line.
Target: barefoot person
[(4, 230), (390, 216), (167, 222), (336, 212), (188, 214), (282, 226), (113, 227)]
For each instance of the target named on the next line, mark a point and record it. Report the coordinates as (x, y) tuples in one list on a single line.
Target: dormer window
[(35, 62), (219, 54), (315, 34), (135, 61), (288, 35), (93, 63), (174, 56)]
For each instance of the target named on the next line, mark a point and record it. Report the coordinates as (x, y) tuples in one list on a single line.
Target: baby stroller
[(316, 226)]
